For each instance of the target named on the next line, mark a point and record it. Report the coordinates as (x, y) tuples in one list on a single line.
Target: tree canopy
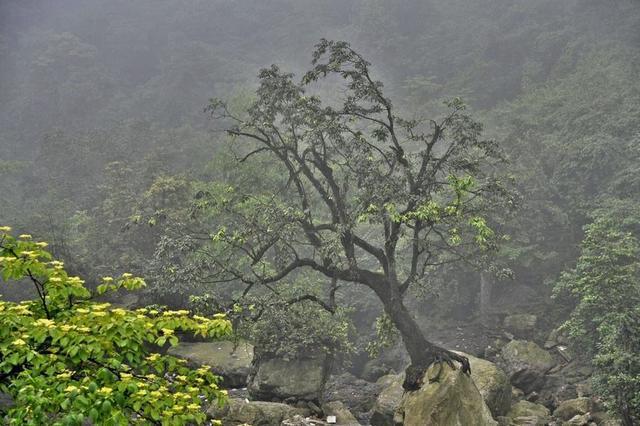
[(375, 198)]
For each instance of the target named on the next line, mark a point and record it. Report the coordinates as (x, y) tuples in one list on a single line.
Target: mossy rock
[(298, 379), (492, 383), (527, 413), (452, 400), (526, 363), (256, 413), (578, 420), (228, 359), (573, 407)]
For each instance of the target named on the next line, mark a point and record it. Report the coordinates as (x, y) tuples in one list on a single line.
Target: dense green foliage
[(605, 325), (66, 358)]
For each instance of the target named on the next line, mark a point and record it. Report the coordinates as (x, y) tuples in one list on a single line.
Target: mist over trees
[(107, 153)]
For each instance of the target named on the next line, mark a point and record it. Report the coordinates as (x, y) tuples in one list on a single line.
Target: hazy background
[(102, 110)]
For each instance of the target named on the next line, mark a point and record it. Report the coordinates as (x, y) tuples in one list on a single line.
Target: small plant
[(386, 336)]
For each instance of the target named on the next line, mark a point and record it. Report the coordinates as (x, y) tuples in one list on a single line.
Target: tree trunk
[(421, 351)]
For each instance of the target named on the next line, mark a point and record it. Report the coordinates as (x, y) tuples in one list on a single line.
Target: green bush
[(66, 359)]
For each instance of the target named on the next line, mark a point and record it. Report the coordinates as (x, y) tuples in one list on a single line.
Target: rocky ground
[(520, 376)]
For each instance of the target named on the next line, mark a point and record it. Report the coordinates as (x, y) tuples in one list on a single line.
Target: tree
[(369, 197), (605, 323), (66, 359)]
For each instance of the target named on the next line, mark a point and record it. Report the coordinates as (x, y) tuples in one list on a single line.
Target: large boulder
[(573, 407), (388, 400), (256, 413), (448, 397), (521, 325), (525, 413), (228, 359), (492, 383), (526, 364), (278, 379)]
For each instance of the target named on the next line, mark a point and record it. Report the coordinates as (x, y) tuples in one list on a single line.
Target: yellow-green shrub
[(65, 358)]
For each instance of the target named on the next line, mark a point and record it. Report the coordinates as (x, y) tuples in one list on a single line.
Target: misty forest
[(299, 213)]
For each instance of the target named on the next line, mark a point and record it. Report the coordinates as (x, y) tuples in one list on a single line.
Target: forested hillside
[(135, 137)]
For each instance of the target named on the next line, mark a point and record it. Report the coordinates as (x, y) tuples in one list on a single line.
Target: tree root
[(448, 357), (414, 374)]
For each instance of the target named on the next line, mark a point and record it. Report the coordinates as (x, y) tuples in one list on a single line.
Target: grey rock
[(299, 420), (573, 407), (556, 337), (388, 400), (555, 390), (279, 379), (230, 360), (526, 364), (525, 413), (256, 413), (374, 369), (578, 420)]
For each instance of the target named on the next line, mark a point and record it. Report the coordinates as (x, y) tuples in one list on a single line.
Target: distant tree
[(605, 324), (368, 197), (567, 161)]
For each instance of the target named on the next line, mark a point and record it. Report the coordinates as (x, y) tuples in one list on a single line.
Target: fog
[(112, 151)]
